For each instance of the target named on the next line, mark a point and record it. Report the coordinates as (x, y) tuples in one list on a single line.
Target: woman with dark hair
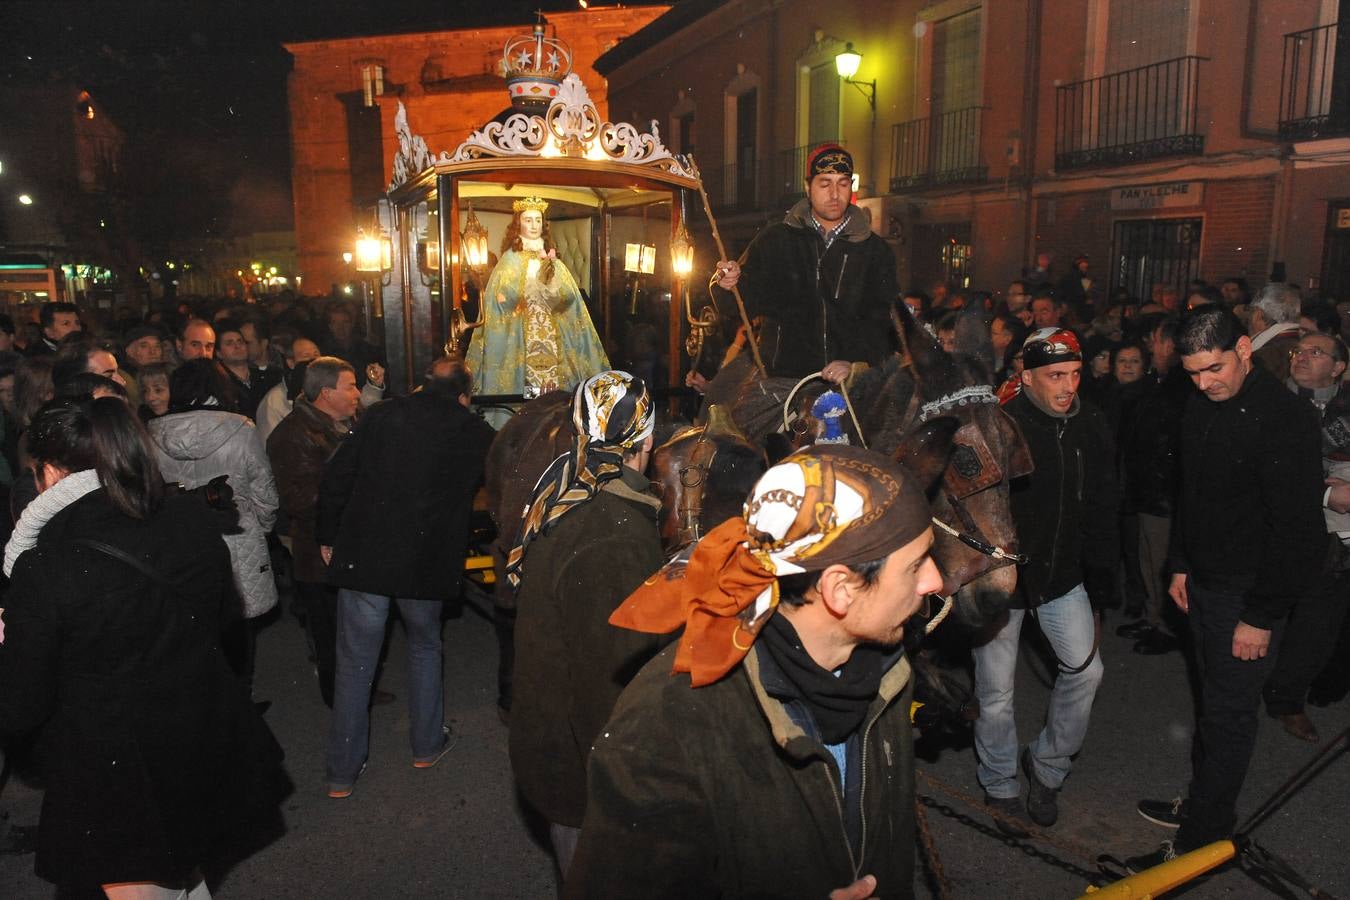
[(198, 441), (111, 650)]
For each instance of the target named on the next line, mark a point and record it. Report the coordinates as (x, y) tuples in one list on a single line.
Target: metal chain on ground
[(1081, 851), (1026, 849), (930, 852)]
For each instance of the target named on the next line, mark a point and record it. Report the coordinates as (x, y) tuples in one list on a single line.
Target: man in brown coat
[(298, 449), (1273, 327), (591, 533)]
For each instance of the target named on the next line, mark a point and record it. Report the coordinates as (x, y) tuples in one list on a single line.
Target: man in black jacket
[(393, 522), (822, 276), (1247, 541), (1065, 514)]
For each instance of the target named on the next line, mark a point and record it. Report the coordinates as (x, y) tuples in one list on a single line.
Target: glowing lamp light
[(25, 200), (373, 254), (682, 253), (347, 257), (433, 256), (639, 258), (474, 241), (847, 62)]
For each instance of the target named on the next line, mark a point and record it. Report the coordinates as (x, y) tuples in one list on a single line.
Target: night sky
[(202, 85)]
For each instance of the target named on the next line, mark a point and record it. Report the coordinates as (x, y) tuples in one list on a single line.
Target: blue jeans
[(1068, 624), (361, 620)]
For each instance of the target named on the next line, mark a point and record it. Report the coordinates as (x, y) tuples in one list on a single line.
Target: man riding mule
[(821, 276)]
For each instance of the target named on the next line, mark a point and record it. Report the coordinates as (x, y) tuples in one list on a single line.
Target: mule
[(897, 405)]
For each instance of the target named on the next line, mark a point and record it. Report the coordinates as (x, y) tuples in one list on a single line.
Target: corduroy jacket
[(716, 792)]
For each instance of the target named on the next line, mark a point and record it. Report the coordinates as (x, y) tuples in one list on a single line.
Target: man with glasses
[(1315, 370)]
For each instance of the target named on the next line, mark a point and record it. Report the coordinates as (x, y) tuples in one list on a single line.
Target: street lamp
[(25, 200), (846, 63)]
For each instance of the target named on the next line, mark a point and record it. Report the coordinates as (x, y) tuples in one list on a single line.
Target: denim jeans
[(1068, 624), (361, 620), (1230, 703)]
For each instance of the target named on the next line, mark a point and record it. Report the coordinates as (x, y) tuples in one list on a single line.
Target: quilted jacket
[(195, 446)]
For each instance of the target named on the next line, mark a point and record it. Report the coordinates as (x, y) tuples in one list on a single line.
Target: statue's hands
[(551, 254), (728, 273)]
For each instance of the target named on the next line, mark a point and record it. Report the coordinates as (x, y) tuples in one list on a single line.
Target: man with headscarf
[(1065, 516), (822, 276), (769, 751), (591, 533)]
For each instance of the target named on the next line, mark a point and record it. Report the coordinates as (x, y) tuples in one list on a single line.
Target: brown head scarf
[(823, 505)]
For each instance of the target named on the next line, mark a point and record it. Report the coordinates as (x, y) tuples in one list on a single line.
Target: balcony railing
[(1129, 116), (941, 149), (1314, 96), (789, 173), (739, 188)]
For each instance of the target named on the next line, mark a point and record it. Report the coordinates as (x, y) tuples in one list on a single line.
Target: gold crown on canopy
[(534, 204)]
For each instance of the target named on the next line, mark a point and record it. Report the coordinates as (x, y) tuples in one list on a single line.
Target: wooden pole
[(735, 291)]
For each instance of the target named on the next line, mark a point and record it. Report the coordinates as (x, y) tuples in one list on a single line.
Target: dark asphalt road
[(456, 830)]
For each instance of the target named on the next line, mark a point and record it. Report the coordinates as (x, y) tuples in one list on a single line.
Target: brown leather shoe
[(1300, 726)]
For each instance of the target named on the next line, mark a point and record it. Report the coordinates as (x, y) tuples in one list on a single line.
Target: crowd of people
[(701, 726)]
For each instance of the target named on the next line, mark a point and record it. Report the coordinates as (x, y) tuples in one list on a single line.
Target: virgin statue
[(536, 335)]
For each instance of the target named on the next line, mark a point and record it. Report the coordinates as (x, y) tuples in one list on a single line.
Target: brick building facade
[(343, 95), (1165, 139)]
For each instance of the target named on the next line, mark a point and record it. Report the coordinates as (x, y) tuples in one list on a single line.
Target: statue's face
[(531, 224)]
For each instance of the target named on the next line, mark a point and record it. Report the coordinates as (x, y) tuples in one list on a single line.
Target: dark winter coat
[(395, 498), (1250, 517), (830, 304), (1065, 511), (571, 664), (1150, 451), (147, 740), (715, 792), (298, 449)]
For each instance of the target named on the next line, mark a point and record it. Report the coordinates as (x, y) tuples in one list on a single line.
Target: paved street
[(456, 830)]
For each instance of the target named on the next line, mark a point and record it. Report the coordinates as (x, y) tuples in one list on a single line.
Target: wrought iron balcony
[(1314, 86), (739, 188), (941, 149), (1129, 116)]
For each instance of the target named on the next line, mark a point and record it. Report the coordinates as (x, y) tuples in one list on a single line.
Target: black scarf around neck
[(837, 704)]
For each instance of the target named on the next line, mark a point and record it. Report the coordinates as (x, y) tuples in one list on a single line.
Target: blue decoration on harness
[(829, 410)]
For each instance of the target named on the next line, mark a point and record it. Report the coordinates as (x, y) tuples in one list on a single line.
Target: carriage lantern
[(475, 241), (373, 254), (682, 252)]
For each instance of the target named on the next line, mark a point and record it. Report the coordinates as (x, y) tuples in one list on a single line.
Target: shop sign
[(1343, 217), (1159, 196)]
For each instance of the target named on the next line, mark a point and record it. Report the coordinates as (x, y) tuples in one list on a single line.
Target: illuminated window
[(372, 82)]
